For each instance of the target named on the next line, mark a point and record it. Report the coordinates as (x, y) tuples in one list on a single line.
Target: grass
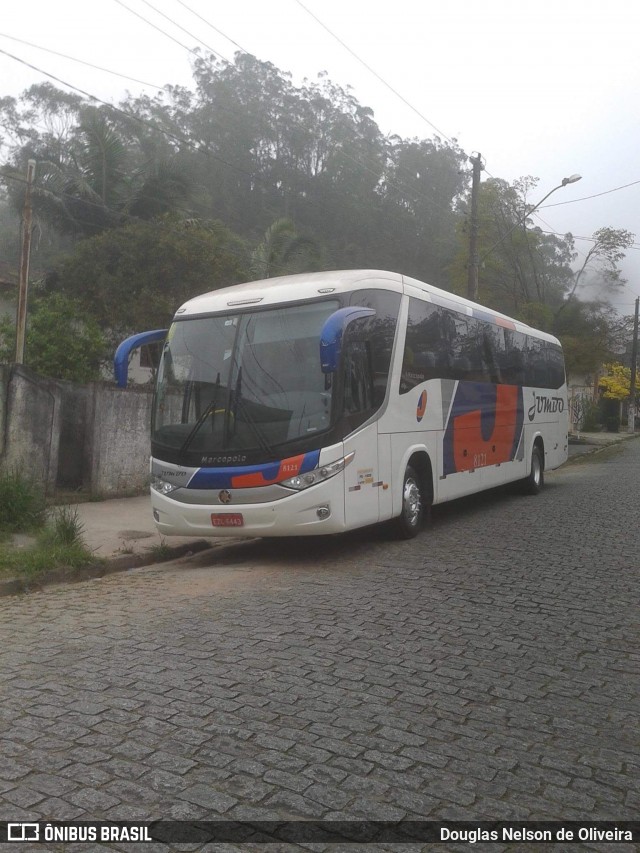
[(58, 545), (23, 507), (161, 551)]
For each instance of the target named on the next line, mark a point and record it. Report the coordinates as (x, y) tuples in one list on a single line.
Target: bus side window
[(358, 379)]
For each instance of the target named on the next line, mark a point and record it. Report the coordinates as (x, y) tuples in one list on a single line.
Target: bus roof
[(294, 288)]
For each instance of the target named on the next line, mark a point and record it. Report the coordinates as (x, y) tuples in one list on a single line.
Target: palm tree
[(96, 185), (282, 251)]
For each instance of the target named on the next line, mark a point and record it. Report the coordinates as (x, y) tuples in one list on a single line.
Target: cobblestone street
[(486, 670)]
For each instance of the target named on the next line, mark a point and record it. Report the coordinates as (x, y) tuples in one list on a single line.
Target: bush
[(59, 545), (610, 414), (591, 417), (22, 504)]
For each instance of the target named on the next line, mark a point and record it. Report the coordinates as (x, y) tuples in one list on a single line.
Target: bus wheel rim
[(536, 469), (412, 502)]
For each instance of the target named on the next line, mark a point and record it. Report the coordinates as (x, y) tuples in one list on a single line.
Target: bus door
[(362, 477)]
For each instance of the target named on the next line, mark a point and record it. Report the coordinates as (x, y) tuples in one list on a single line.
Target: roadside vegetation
[(50, 540)]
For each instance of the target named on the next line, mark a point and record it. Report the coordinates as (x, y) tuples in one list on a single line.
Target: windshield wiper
[(210, 410), (238, 401)]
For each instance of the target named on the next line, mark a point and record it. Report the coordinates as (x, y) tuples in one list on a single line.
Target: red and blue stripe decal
[(484, 428), (421, 408), (492, 318), (253, 476)]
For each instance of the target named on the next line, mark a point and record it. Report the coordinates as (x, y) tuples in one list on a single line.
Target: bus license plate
[(227, 519)]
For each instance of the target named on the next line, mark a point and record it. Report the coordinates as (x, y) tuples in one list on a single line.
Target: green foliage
[(49, 553), (519, 265), (250, 149), (22, 504), (283, 251), (134, 277), (67, 527), (591, 417), (609, 414), (536, 314), (63, 341), (589, 333)]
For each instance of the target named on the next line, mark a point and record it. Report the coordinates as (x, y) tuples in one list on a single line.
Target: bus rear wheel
[(414, 510), (535, 481)]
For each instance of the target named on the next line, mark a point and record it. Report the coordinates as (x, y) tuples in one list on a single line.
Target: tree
[(62, 342), (91, 174), (520, 266), (590, 333), (616, 382), (134, 277), (602, 260), (283, 252)]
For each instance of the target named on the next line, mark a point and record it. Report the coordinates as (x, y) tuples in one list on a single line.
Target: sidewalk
[(588, 442), (124, 527), (122, 534)]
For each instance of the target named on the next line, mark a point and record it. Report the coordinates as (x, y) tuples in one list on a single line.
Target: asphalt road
[(486, 670)]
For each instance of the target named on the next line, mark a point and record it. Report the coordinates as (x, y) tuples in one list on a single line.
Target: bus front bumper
[(315, 511)]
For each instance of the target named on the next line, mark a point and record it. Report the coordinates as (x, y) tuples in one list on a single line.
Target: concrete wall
[(32, 426), (118, 440), (92, 437)]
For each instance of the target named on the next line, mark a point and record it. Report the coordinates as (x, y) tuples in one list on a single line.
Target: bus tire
[(414, 510), (535, 481)]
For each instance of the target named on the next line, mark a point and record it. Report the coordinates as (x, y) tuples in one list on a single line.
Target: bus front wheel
[(535, 481), (413, 512)]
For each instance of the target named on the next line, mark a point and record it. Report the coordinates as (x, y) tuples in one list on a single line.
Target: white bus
[(319, 403)]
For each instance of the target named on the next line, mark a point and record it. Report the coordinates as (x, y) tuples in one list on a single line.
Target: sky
[(548, 89)]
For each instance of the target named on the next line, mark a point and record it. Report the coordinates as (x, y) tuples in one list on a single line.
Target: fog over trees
[(246, 175)]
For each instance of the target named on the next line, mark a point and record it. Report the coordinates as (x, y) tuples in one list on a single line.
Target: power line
[(165, 33), (375, 73), (180, 27), (215, 29), (634, 246), (82, 62), (596, 195), (127, 115), (155, 27)]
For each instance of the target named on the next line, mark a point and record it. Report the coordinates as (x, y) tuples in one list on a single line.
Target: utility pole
[(23, 280), (631, 420), (472, 282)]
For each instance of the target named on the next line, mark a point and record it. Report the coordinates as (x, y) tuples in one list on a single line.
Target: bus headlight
[(162, 486), (318, 475)]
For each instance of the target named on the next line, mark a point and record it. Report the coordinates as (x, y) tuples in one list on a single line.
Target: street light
[(572, 179)]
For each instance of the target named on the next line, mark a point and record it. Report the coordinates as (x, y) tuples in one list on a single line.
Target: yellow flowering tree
[(616, 383)]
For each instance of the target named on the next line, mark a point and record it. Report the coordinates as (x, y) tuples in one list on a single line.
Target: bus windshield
[(242, 382)]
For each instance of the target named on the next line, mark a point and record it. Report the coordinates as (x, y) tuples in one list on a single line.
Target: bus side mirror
[(121, 358), (333, 332)]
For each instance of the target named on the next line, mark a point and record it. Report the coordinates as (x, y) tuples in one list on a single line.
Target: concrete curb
[(108, 566), (590, 449)]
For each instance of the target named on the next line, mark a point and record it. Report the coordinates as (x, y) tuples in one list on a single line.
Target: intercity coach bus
[(318, 403)]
